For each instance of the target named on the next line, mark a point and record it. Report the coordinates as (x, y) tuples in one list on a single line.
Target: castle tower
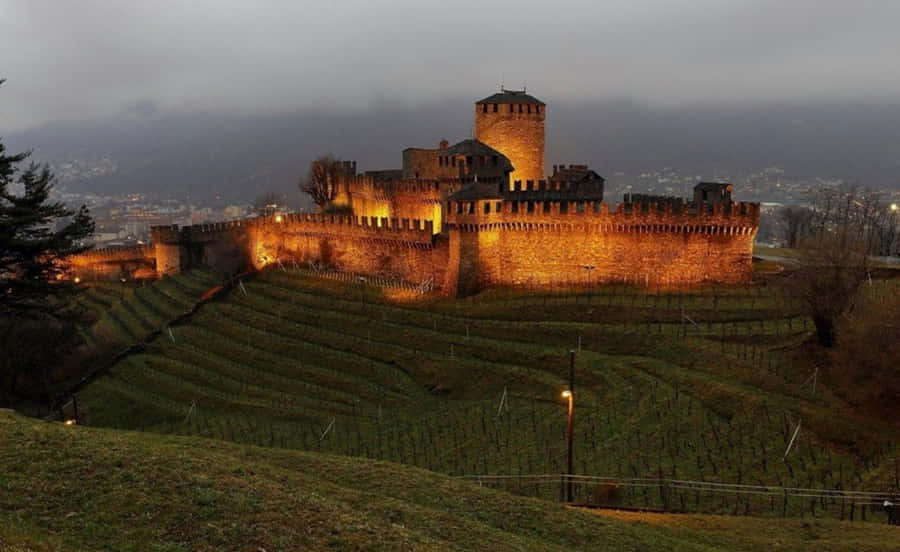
[(512, 122)]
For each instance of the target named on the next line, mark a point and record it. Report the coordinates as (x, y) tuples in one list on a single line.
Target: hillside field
[(70, 488), (689, 384)]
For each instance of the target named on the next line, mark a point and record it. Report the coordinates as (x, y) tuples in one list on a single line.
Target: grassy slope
[(420, 384), (75, 488)]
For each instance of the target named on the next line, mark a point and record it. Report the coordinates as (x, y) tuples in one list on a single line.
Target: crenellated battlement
[(367, 184), (554, 190), (400, 229), (113, 254), (552, 214), (403, 229)]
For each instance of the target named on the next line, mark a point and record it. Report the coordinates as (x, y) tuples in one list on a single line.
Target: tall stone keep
[(512, 122)]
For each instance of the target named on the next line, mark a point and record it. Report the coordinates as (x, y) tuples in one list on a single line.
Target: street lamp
[(588, 268), (362, 291), (567, 394)]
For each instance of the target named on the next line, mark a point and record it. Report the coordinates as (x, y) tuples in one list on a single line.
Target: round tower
[(512, 122)]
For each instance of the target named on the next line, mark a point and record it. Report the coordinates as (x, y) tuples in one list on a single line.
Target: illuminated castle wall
[(459, 218), (512, 122)]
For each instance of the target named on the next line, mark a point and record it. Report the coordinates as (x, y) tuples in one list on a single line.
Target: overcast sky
[(89, 59)]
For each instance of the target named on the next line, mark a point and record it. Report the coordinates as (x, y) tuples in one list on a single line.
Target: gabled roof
[(511, 96), (579, 173), (476, 147), (713, 186), (471, 147)]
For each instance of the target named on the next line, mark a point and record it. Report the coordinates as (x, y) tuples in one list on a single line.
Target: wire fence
[(683, 496)]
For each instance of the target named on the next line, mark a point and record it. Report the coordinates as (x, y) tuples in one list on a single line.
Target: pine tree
[(36, 236), (33, 245)]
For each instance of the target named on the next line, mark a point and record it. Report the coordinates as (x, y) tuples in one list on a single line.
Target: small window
[(515, 207), (579, 207), (472, 208), (563, 207), (487, 208), (440, 161), (468, 160), (495, 160), (453, 161), (537, 109), (459, 208), (530, 206), (520, 108), (495, 107), (484, 108), (547, 207), (529, 109), (511, 108), (498, 206)]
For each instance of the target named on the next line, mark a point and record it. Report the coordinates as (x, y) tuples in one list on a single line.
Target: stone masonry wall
[(518, 136), (113, 263), (656, 246), (406, 199), (398, 248)]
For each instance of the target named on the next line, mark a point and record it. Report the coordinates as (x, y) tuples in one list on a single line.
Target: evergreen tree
[(38, 332), (36, 235)]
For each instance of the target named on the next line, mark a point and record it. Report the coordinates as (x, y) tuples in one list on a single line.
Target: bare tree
[(323, 179), (834, 257), (796, 222)]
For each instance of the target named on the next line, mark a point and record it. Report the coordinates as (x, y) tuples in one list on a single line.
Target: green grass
[(303, 363), (67, 488), (128, 313)]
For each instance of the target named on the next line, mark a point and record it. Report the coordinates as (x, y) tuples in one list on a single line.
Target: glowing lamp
[(69, 422), (566, 394), (278, 219), (894, 207), (77, 280)]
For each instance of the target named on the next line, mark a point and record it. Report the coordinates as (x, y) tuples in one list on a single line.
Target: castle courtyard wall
[(653, 247)]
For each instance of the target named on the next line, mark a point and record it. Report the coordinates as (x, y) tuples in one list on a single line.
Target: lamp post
[(569, 394), (588, 268), (362, 291)]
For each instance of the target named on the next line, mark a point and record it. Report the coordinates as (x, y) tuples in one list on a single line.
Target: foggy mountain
[(231, 157)]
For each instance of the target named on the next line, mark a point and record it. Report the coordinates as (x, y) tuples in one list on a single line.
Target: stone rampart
[(114, 263), (541, 243)]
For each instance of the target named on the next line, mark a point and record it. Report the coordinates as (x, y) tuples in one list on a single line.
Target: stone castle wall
[(518, 135), (404, 249), (114, 263), (528, 243), (413, 199), (538, 244)]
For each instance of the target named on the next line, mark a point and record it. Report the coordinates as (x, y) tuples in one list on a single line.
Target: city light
[(566, 394), (278, 219), (70, 422)]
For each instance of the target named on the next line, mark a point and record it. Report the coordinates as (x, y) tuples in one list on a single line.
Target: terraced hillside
[(68, 488), (127, 312), (692, 385)]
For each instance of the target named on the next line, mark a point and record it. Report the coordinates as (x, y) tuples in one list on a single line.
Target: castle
[(471, 215)]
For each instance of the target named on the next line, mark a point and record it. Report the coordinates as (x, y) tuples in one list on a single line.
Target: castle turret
[(512, 122)]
